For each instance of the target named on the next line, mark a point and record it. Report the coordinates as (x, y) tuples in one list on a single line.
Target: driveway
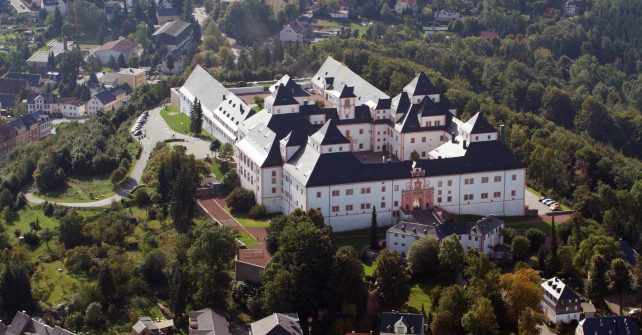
[(20, 6), (155, 130), (532, 201)]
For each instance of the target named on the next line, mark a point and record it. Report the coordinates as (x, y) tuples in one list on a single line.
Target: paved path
[(20, 6), (155, 130), (257, 254)]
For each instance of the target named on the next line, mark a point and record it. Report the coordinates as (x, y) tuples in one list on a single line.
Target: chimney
[(465, 145), (501, 132), (64, 44)]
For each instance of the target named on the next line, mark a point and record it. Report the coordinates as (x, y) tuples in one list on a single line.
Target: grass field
[(419, 298), (245, 221), (61, 284), (217, 169), (82, 189), (27, 215), (247, 239), (179, 122), (541, 225), (358, 239)]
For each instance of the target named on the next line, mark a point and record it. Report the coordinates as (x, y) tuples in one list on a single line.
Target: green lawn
[(217, 169), (27, 215), (541, 225), (179, 122), (419, 291), (245, 221), (82, 189), (247, 239), (60, 284), (358, 239)]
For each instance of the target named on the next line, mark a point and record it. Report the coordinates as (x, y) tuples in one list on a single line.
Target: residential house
[(120, 93), (39, 61), (297, 32), (340, 14), (277, 323), (164, 15), (559, 302), (405, 6), (148, 326), (570, 8), (607, 325), (12, 89), (396, 323), (33, 80), (447, 16), (23, 324), (481, 235), (174, 34), (115, 49), (208, 322), (41, 102), (8, 136), (101, 102), (132, 77), (70, 107), (51, 5)]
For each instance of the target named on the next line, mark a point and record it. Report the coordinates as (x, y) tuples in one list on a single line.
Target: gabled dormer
[(382, 109), (288, 146), (329, 139), (344, 99), (402, 106), (480, 129), (420, 87), (281, 101)]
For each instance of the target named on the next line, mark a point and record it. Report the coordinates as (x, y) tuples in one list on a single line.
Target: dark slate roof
[(311, 109), (480, 157), (361, 115), (12, 86), (31, 97), (294, 89), (122, 88), (274, 156), (404, 103), (482, 125), (7, 100), (628, 252), (607, 325), (167, 12), (384, 103), (283, 97), (329, 81), (421, 85), (283, 124), (105, 97), (414, 322), (32, 79), (346, 92), (25, 121), (427, 107), (331, 113), (329, 134)]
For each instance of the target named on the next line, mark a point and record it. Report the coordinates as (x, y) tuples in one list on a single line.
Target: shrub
[(423, 257), (520, 247), (141, 197), (31, 239), (241, 200), (257, 212), (118, 176), (231, 181), (536, 238), (215, 145), (47, 209), (125, 163)]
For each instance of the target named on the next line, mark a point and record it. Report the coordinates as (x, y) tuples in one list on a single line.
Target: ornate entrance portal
[(418, 193)]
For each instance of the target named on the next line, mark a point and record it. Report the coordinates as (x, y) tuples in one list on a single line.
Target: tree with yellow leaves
[(521, 289)]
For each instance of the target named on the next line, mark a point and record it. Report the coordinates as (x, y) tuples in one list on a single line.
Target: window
[(360, 131), (396, 187), (412, 140), (449, 198), (498, 179), (335, 209), (273, 173), (437, 123), (348, 207), (484, 195), (273, 180), (450, 183), (439, 199), (468, 197), (484, 180), (423, 139), (365, 190), (349, 191), (440, 183), (383, 205), (469, 181), (512, 193), (318, 194), (396, 203), (273, 189), (335, 193), (514, 177), (497, 194), (383, 188), (365, 206), (360, 145)]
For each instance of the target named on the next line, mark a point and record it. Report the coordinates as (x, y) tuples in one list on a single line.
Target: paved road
[(156, 130), (20, 6)]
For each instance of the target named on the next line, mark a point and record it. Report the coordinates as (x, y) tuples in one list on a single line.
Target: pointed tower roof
[(480, 124), (282, 97), (329, 134), (421, 85), (346, 91)]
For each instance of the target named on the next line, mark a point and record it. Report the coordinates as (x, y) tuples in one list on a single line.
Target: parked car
[(542, 200), (549, 202), (555, 207)]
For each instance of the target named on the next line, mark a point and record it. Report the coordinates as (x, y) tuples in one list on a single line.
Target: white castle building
[(353, 153)]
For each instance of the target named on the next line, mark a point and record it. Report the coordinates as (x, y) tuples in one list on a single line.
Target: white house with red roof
[(296, 32), (116, 48)]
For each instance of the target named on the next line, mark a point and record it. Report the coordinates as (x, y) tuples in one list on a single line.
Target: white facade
[(72, 109), (288, 34), (559, 302)]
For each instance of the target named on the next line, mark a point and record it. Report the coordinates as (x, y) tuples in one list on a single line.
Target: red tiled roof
[(122, 46)]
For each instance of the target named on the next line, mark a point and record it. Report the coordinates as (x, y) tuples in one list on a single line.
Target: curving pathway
[(156, 130)]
